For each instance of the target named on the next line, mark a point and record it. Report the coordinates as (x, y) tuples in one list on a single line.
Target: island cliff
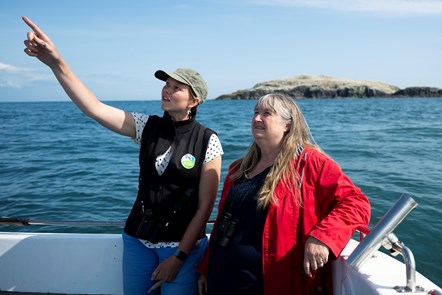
[(308, 86)]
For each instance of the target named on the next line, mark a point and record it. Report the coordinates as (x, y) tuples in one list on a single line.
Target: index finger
[(156, 285), (35, 28)]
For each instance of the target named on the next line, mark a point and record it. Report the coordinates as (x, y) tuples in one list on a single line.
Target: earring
[(189, 112)]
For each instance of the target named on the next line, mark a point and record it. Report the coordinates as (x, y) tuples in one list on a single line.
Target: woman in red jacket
[(286, 209)]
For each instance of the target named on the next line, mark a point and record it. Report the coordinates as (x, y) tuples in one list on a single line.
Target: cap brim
[(162, 75)]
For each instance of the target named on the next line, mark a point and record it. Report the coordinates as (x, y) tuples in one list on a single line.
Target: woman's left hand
[(315, 255), (166, 271)]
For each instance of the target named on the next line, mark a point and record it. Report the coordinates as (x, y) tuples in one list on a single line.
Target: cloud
[(382, 7), (8, 68), (15, 77)]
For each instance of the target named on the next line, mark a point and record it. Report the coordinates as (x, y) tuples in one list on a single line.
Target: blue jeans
[(139, 262)]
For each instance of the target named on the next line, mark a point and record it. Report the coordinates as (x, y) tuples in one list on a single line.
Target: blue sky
[(116, 46)]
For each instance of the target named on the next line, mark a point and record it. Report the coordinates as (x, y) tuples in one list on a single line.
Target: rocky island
[(321, 86)]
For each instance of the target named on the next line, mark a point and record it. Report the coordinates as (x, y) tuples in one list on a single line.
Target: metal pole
[(410, 264), (372, 242)]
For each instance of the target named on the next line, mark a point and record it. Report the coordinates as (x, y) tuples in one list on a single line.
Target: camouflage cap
[(188, 77)]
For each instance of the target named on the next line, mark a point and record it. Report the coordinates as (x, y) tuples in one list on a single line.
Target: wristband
[(180, 255)]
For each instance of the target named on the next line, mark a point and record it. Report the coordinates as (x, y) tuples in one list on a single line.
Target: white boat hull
[(61, 263), (92, 264)]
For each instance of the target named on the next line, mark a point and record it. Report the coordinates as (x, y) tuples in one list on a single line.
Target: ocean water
[(58, 165)]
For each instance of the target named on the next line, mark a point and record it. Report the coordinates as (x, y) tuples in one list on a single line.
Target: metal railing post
[(372, 242)]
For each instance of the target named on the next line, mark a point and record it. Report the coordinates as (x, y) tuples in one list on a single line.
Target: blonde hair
[(298, 135)]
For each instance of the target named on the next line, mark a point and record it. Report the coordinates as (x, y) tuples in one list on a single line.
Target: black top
[(236, 268), (160, 195)]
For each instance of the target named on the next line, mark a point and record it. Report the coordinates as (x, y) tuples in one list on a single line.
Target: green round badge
[(188, 161)]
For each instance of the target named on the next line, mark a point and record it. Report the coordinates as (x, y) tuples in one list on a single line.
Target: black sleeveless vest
[(161, 194)]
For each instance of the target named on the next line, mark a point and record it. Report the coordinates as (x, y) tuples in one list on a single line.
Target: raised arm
[(40, 46)]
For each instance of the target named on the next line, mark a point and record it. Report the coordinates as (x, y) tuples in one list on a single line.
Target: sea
[(56, 164)]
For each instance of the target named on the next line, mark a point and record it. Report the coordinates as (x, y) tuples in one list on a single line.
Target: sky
[(115, 47)]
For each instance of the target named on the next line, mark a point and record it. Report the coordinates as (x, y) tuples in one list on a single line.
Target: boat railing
[(382, 235)]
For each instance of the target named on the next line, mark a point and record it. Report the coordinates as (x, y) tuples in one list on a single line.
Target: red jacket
[(333, 208)]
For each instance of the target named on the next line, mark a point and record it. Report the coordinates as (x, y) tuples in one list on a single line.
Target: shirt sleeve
[(140, 121), (214, 149)]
